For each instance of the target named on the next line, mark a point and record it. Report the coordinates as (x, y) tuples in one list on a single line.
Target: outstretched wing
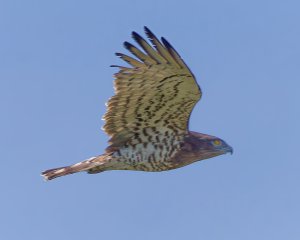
[(157, 92)]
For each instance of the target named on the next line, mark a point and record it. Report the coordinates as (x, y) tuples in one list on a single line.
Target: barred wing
[(157, 92)]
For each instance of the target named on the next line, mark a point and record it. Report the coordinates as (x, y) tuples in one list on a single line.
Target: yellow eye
[(217, 142)]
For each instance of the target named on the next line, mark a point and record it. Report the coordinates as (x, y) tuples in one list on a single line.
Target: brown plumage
[(148, 117)]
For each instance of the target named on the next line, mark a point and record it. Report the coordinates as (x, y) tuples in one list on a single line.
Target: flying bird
[(148, 117)]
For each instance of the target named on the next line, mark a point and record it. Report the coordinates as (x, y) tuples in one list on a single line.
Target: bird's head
[(203, 146)]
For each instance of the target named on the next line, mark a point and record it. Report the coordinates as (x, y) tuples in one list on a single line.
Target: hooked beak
[(228, 149)]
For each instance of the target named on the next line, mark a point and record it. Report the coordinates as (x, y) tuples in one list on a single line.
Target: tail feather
[(78, 167)]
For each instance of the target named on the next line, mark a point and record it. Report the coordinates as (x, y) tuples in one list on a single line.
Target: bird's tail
[(78, 167)]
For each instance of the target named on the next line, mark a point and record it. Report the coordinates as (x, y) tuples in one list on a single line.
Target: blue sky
[(55, 79)]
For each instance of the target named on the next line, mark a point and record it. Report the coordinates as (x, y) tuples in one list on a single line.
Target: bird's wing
[(158, 92)]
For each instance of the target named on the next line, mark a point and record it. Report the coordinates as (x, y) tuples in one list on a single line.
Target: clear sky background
[(55, 79)]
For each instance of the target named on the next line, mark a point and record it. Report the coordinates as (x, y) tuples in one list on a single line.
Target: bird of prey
[(148, 117)]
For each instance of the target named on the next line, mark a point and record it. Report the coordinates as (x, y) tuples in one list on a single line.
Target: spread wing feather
[(129, 60), (158, 92), (159, 47)]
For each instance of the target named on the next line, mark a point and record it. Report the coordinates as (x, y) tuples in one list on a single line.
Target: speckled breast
[(143, 155)]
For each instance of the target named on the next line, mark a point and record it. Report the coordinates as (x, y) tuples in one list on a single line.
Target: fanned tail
[(78, 167)]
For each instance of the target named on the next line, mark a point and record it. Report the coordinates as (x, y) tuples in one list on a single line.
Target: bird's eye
[(217, 142)]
